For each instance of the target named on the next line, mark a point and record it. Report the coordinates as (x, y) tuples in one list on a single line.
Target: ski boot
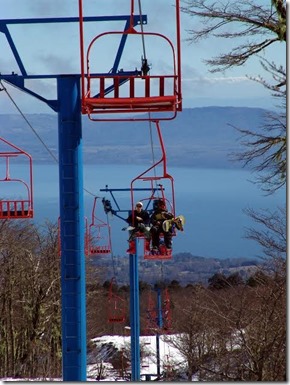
[(132, 249), (147, 244)]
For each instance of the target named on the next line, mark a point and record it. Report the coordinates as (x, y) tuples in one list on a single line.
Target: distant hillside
[(183, 267), (198, 137)]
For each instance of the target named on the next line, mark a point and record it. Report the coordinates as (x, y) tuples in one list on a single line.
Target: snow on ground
[(169, 358)]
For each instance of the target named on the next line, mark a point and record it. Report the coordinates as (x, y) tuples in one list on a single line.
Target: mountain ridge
[(197, 137)]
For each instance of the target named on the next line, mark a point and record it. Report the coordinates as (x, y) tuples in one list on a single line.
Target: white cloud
[(213, 80)]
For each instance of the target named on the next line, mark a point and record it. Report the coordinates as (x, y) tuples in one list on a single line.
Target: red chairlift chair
[(22, 207), (107, 94), (154, 179), (99, 235), (117, 309)]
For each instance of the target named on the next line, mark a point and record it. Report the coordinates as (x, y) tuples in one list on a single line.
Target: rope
[(152, 152), (149, 114), (112, 253), (141, 26)]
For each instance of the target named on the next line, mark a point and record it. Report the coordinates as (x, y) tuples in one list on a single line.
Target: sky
[(54, 49)]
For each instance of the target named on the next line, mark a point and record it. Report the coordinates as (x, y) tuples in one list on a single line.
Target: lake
[(212, 200)]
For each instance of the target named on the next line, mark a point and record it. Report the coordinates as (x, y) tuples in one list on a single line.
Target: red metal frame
[(98, 242), (16, 208), (117, 309), (104, 102)]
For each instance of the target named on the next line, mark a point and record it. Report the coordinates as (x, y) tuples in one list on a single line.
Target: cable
[(112, 253), (152, 151), (145, 68), (153, 157), (21, 113), (141, 26)]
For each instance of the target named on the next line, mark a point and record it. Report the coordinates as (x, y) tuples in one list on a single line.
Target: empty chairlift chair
[(99, 235), (21, 205), (130, 92), (117, 309)]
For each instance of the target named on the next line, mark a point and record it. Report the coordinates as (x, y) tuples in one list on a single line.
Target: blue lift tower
[(68, 107), (75, 96)]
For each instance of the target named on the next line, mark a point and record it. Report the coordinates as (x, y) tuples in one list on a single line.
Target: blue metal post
[(73, 293), (134, 314), (159, 324)]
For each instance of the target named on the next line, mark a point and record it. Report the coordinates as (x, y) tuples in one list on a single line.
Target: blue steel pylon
[(73, 277), (135, 313), (68, 107)]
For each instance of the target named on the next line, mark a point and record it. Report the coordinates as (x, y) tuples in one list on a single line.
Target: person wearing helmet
[(159, 215), (140, 223)]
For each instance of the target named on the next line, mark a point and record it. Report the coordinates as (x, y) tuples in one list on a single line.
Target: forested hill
[(198, 137), (183, 268)]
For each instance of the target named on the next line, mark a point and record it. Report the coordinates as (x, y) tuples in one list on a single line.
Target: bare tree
[(254, 26), (250, 329), (237, 333), (271, 235), (197, 340), (30, 343), (263, 23), (266, 147)]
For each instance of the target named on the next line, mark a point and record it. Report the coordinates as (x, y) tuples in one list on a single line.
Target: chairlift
[(130, 92), (153, 181), (19, 208), (99, 235), (151, 324), (155, 191), (117, 309)]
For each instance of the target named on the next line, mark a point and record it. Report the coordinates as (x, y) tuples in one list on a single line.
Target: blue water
[(212, 200)]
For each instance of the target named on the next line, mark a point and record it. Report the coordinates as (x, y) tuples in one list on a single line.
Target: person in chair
[(159, 215), (140, 223)]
